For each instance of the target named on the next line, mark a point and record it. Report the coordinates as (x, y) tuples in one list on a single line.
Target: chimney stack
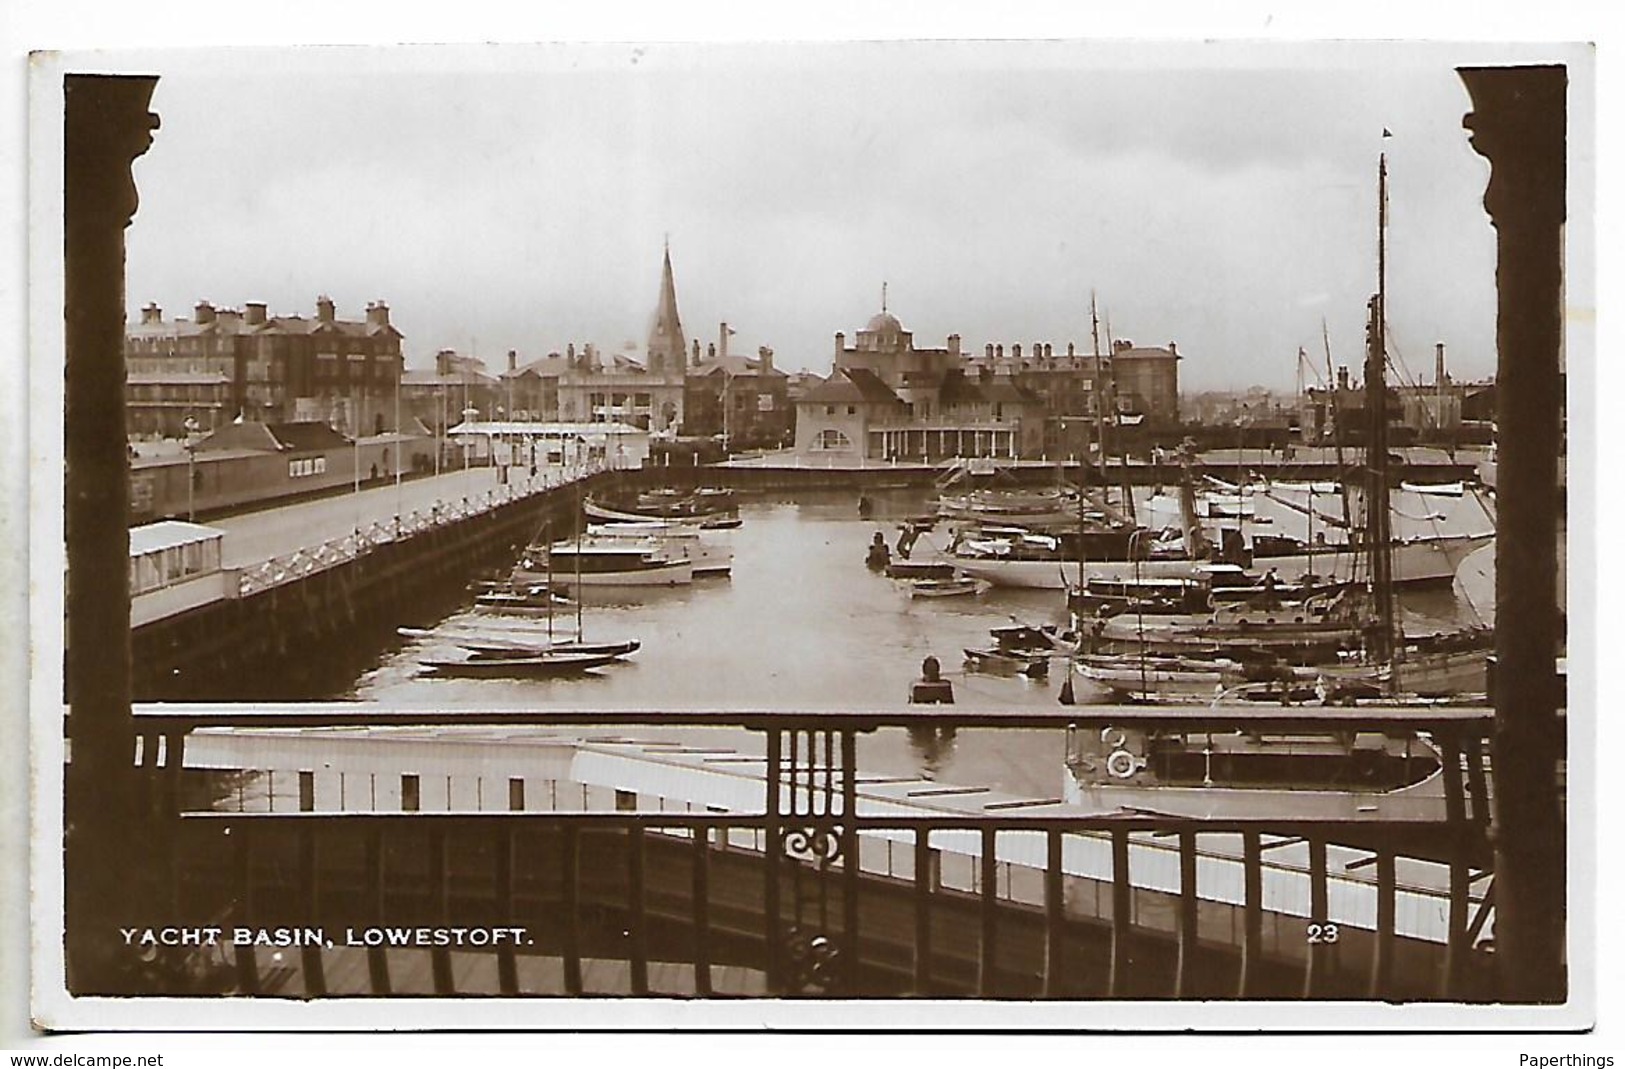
[(696, 352), (324, 308), (255, 313), (1173, 350), (513, 360), (765, 355), (1343, 377), (152, 313), (377, 314), (203, 313), (953, 344), (987, 351), (1439, 376), (840, 344), (722, 333)]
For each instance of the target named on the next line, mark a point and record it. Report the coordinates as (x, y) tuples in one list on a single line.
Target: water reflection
[(933, 748)]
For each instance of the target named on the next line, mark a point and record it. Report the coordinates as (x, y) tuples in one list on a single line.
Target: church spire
[(666, 343)]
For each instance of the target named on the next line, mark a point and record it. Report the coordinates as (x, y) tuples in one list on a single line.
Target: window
[(851, 410), (829, 410), (830, 438)]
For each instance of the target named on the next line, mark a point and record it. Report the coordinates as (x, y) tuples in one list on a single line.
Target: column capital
[(1519, 123), (107, 127)]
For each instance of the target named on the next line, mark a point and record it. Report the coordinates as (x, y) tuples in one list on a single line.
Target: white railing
[(361, 541)]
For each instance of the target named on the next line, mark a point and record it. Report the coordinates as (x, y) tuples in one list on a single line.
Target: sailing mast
[(1379, 533), (1100, 391), (1117, 423)]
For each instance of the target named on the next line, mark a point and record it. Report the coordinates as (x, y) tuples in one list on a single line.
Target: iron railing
[(363, 540), (791, 900)]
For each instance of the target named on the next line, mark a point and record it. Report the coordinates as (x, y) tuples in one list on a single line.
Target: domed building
[(888, 400)]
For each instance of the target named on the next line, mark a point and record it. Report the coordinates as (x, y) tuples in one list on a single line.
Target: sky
[(1222, 197)]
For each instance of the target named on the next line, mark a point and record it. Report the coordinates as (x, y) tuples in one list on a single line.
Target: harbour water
[(801, 623)]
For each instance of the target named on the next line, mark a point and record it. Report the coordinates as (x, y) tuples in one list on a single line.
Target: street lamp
[(191, 427)]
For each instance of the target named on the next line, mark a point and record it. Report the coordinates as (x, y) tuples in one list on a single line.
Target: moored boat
[(533, 666), (955, 586)]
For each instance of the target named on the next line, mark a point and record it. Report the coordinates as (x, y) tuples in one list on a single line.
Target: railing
[(363, 540), (658, 902)]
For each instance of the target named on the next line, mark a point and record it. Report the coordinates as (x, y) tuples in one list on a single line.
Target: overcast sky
[(1221, 197)]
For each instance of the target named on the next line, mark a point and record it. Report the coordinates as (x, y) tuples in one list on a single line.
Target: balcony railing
[(824, 891)]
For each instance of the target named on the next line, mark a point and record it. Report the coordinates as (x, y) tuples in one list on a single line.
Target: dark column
[(1519, 123), (107, 126)]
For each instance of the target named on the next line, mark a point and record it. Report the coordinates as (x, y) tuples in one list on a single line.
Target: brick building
[(344, 373)]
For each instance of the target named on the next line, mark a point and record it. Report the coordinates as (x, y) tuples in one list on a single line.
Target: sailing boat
[(1354, 645)]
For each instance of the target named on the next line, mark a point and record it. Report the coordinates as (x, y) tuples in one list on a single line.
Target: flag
[(1387, 132)]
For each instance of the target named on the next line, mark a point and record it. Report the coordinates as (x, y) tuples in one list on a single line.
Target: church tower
[(667, 347)]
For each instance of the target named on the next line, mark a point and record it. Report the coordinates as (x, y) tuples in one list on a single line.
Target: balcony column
[(1519, 123), (106, 126)]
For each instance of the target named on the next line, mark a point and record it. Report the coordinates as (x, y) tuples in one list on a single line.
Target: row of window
[(298, 469), (166, 567)]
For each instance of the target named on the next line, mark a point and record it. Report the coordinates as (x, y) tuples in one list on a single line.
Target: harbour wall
[(311, 636)]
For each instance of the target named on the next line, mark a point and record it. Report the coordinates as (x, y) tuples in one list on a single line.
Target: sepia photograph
[(1060, 534)]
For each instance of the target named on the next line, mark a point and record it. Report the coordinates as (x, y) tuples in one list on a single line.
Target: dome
[(885, 321)]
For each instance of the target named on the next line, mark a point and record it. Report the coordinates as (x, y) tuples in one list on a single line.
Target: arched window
[(830, 438)]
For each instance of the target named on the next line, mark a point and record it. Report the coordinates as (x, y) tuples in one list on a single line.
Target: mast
[(1117, 425), (1337, 427), (547, 540), (580, 635), (1100, 390), (1379, 534)]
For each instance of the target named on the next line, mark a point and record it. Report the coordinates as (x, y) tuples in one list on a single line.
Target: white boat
[(1416, 561), (958, 586), (603, 564), (686, 540)]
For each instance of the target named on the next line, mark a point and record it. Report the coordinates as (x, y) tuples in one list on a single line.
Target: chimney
[(256, 313), (998, 351), (1015, 351), (377, 314), (765, 355), (1343, 377), (324, 308), (513, 360), (1072, 349), (152, 313), (722, 333), (1121, 344), (696, 352), (711, 350), (987, 351), (953, 344), (840, 343), (442, 361), (1173, 350), (570, 356), (1439, 376), (203, 313)]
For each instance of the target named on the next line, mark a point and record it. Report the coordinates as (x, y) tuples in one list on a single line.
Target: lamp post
[(190, 426)]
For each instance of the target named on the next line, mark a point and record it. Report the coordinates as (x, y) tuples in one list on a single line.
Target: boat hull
[(1431, 560), (675, 573)]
